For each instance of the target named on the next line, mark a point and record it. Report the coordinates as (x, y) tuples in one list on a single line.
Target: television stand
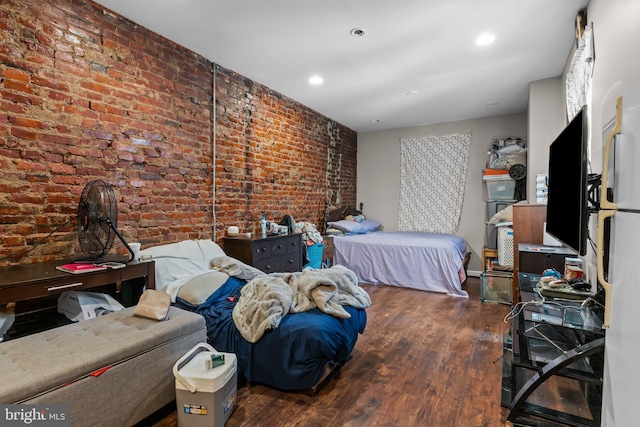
[(536, 258), (551, 350)]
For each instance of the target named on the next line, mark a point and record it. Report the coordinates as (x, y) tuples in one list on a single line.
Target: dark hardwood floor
[(425, 359)]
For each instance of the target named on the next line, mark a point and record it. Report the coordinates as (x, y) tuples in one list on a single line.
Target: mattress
[(425, 261)]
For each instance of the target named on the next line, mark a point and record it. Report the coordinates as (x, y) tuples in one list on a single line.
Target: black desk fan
[(98, 220)]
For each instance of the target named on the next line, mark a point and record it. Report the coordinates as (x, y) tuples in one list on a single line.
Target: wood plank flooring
[(425, 359)]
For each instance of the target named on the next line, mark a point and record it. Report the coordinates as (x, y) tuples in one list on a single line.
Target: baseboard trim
[(473, 273)]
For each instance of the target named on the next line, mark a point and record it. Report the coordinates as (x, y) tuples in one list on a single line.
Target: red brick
[(24, 134), (24, 122), (30, 166), (17, 86), (60, 168), (18, 75)]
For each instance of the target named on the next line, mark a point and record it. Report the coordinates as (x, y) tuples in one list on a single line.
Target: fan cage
[(97, 219)]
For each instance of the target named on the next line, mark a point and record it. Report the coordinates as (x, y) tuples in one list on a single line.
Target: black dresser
[(277, 253)]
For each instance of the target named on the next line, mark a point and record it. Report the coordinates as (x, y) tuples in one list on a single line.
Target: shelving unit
[(503, 178), (490, 257)]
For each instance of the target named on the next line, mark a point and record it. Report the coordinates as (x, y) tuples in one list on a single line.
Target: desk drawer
[(261, 250), (284, 264), (279, 247), (56, 286)]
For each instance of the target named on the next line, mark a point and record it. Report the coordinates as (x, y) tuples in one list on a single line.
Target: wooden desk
[(31, 281)]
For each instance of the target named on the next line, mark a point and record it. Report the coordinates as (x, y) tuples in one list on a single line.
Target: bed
[(303, 348), (427, 261)]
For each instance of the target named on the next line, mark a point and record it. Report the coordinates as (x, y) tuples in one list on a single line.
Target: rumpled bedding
[(267, 298), (294, 356)]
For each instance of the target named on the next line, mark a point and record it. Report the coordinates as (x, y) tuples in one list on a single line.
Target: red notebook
[(80, 267)]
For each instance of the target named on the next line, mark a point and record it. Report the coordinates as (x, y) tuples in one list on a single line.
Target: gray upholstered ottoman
[(113, 370)]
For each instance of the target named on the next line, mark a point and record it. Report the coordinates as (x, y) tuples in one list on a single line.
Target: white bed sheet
[(178, 263), (425, 261)]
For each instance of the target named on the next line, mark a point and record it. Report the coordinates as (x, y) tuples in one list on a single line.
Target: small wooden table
[(31, 281), (487, 255)]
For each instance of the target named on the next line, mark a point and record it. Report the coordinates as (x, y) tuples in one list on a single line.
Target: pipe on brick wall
[(213, 148)]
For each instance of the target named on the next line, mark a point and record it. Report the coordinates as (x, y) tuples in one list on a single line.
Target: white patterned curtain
[(433, 173), (580, 72)]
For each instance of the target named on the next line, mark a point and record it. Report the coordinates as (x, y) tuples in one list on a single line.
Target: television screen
[(567, 205)]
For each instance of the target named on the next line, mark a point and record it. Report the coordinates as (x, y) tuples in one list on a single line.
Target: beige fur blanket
[(267, 298)]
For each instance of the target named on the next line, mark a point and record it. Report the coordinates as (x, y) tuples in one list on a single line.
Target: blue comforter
[(291, 357)]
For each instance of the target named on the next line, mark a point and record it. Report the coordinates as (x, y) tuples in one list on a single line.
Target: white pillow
[(197, 289), (348, 226), (504, 215)]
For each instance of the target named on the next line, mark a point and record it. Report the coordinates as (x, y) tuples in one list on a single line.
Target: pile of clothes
[(310, 234)]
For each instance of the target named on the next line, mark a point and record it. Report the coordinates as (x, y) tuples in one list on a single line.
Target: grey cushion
[(45, 361), (199, 288)]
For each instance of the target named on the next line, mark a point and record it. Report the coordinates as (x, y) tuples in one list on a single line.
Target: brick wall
[(86, 94), (276, 156)]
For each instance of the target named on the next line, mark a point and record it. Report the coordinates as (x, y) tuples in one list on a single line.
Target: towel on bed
[(261, 306), (235, 268), (266, 298), (328, 288), (313, 290)]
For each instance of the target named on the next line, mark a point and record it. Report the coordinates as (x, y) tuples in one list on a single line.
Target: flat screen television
[(567, 197)]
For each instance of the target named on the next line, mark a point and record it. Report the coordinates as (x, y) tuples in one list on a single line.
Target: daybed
[(427, 261), (288, 349)]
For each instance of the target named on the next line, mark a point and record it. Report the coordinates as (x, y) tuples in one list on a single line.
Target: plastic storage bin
[(491, 237), (204, 396), (500, 189), (497, 287), (493, 207)]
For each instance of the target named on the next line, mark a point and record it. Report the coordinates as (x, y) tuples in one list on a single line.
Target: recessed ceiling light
[(492, 104), (375, 120), (412, 92), (357, 32), (316, 80), (485, 39)]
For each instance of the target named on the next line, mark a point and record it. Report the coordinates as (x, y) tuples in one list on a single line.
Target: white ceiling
[(426, 46)]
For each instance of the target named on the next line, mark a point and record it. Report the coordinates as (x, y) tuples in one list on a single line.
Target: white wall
[(379, 171), (546, 117)]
